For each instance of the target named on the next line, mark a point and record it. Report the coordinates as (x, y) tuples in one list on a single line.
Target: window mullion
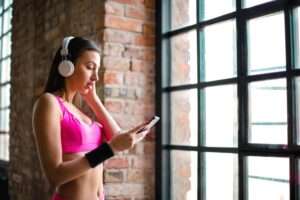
[(242, 98), (200, 160), (291, 107)]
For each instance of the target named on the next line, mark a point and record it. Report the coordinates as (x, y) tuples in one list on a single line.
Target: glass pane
[(221, 113), (266, 44), (4, 120), (214, 8), (219, 55), (250, 3), (183, 13), (6, 45), (7, 3), (1, 24), (1, 47), (184, 175), (5, 70), (183, 59), (268, 112), (5, 96), (296, 34), (297, 94), (4, 147), (7, 20), (266, 181), (1, 5), (184, 118), (221, 176)]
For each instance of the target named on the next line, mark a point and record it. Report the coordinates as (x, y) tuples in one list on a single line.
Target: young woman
[(71, 146)]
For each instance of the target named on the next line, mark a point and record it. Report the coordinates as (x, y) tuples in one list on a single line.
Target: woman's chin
[(84, 91)]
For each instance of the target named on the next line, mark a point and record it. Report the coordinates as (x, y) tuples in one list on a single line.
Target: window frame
[(242, 80), (3, 11)]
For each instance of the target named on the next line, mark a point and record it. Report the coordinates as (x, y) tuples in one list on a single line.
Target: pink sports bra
[(78, 136)]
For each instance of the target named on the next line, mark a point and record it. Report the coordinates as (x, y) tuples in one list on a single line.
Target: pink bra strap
[(62, 106)]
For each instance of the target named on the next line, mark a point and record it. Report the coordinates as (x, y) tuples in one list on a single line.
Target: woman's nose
[(95, 76)]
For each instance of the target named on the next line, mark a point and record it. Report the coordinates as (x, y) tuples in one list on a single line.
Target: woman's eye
[(90, 66)]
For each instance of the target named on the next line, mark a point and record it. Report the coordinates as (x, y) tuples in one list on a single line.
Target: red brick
[(116, 63), (142, 66), (149, 148), (140, 12), (125, 1), (118, 36), (149, 54), (132, 78), (117, 163), (145, 162), (112, 176), (128, 121), (113, 77), (140, 53), (124, 190), (129, 107), (150, 4), (143, 108), (133, 52), (132, 2), (135, 175), (114, 49), (144, 40), (114, 8), (149, 29), (122, 23), (137, 149), (114, 106)]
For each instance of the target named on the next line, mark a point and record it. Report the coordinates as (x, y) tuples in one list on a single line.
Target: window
[(228, 96), (5, 79)]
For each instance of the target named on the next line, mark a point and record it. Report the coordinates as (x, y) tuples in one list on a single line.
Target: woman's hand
[(127, 139), (91, 94)]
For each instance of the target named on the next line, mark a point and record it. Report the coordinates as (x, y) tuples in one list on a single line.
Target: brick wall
[(126, 30), (128, 59), (23, 165)]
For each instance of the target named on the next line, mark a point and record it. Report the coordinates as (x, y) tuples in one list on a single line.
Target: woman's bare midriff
[(88, 186)]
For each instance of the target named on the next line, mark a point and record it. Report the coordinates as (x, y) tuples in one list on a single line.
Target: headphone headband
[(65, 67), (64, 50)]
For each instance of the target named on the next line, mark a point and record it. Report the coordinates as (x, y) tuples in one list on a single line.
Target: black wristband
[(98, 155)]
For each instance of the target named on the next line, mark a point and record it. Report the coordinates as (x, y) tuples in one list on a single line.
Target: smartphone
[(151, 123)]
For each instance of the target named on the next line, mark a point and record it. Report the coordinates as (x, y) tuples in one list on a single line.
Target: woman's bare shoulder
[(46, 101)]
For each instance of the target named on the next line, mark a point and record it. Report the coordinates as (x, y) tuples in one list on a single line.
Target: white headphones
[(65, 67)]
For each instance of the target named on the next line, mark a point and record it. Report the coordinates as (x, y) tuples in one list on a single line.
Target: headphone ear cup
[(66, 68)]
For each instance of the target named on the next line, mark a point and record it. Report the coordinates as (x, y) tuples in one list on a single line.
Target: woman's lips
[(89, 85)]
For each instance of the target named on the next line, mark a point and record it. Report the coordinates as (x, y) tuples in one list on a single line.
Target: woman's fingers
[(122, 142), (141, 135), (127, 140), (139, 127)]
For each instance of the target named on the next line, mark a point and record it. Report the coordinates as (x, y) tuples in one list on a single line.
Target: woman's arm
[(111, 127), (46, 126)]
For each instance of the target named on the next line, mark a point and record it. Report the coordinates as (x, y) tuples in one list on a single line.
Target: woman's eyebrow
[(92, 62)]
